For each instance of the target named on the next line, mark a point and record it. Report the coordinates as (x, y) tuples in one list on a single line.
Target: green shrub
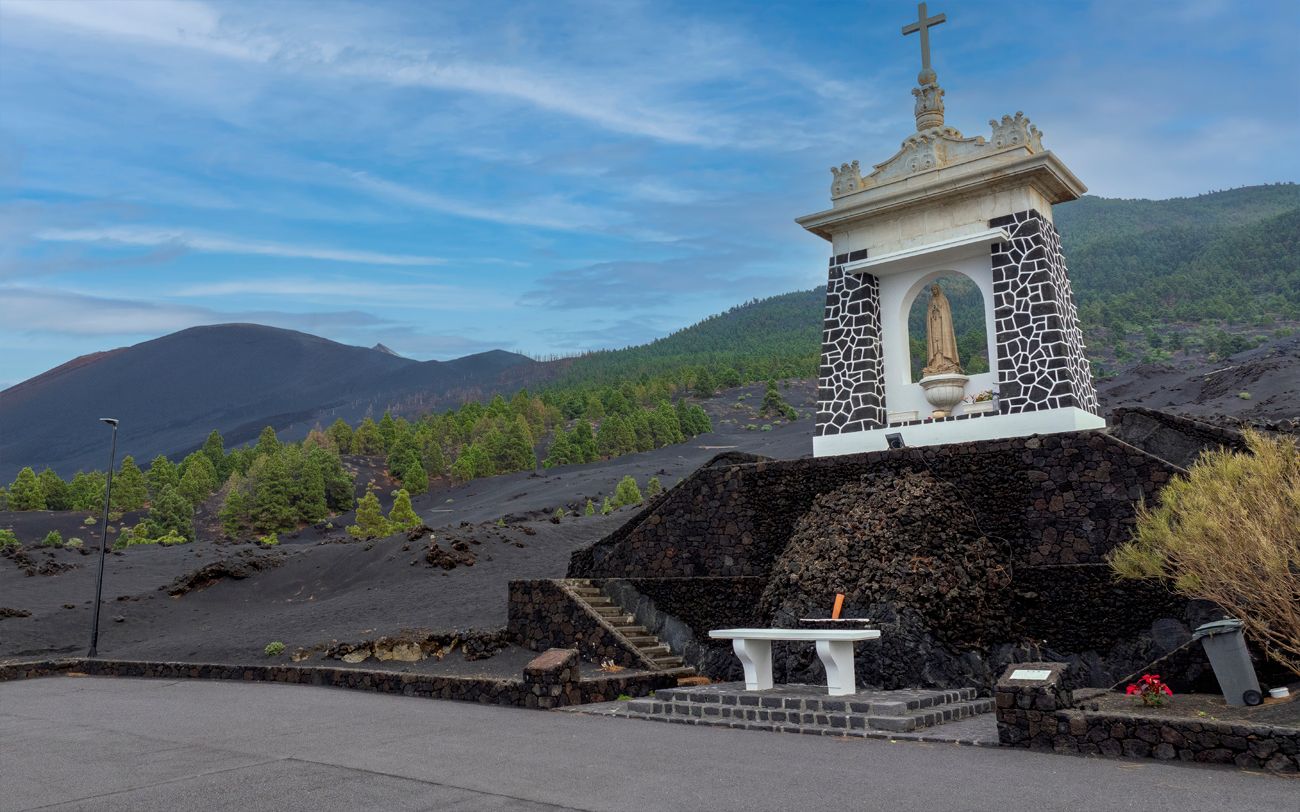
[(274, 649), (370, 519), (269, 540), (560, 513), (1226, 533), (88, 521), (403, 516), (52, 539), (766, 428), (653, 488), (74, 543), (590, 510), (1244, 395), (627, 492), (606, 508), (8, 539)]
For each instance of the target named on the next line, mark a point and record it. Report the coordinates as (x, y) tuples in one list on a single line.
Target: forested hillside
[(1153, 277)]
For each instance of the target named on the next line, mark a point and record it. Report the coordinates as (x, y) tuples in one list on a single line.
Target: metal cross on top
[(924, 24)]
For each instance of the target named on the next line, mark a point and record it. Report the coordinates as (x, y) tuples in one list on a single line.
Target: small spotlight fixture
[(895, 440)]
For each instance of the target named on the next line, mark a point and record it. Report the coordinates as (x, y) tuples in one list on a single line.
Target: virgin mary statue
[(941, 341)]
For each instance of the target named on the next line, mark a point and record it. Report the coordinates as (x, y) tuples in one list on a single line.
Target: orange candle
[(839, 604)]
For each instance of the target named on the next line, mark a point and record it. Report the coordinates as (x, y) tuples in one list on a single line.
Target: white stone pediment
[(937, 148)]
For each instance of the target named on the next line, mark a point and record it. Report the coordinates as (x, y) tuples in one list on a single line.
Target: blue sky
[(545, 177)]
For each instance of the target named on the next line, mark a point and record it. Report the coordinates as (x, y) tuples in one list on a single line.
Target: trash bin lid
[(1225, 626)]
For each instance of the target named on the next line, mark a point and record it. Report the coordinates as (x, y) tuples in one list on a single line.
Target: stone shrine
[(947, 205)]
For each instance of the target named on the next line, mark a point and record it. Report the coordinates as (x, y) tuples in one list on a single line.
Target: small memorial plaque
[(1031, 673)]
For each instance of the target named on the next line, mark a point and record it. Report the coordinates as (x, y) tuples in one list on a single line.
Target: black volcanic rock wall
[(1007, 538), (1058, 499)]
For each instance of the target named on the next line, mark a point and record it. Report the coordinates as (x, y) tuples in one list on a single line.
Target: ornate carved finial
[(929, 106), (846, 180), (929, 96), (1017, 131)]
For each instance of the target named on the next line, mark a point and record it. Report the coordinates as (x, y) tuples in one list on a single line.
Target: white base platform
[(987, 427)]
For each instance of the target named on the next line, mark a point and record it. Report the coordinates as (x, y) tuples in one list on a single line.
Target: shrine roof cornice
[(1041, 170)]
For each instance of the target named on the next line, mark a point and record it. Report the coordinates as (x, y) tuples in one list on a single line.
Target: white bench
[(834, 647)]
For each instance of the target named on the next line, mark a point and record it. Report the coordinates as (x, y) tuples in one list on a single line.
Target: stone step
[(642, 640), (655, 650), (815, 699), (629, 630), (599, 601), (779, 718), (668, 662)]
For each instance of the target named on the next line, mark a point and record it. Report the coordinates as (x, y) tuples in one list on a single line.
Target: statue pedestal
[(944, 391)]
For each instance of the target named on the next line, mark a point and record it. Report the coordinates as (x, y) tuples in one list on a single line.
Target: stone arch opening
[(969, 316)]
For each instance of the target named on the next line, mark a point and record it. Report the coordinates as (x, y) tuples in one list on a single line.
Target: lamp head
[(112, 421)]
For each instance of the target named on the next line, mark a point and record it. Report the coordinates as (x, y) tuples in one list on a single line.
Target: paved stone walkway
[(128, 744)]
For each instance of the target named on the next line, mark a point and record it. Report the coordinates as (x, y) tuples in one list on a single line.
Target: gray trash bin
[(1225, 644)]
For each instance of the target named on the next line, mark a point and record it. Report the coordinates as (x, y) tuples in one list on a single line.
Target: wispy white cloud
[(62, 312), (216, 244), (553, 212), (198, 26), (425, 296)]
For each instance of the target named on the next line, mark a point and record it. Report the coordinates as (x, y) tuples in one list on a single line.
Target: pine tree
[(339, 485), (643, 436), (272, 503), (705, 386), (606, 508), (366, 440), (214, 448), (471, 464), (627, 493), (340, 433), (162, 474), (583, 441), (413, 476), (55, 489), (370, 518), (235, 509), (171, 512), (25, 492), (267, 442), (403, 516), (653, 488), (560, 452), (388, 431), (130, 488), (199, 480), (87, 490), (435, 461), (311, 502), (590, 509)]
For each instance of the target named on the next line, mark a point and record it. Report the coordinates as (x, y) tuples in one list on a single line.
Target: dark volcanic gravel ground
[(320, 588)]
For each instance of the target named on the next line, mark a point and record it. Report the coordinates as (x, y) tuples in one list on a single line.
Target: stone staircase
[(808, 709), (651, 648)]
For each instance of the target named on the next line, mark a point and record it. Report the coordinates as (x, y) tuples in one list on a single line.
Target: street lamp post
[(103, 535)]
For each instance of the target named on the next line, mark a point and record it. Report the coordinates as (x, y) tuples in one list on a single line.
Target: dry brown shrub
[(1229, 532)]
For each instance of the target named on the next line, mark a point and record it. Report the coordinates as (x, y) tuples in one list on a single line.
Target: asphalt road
[(105, 744)]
